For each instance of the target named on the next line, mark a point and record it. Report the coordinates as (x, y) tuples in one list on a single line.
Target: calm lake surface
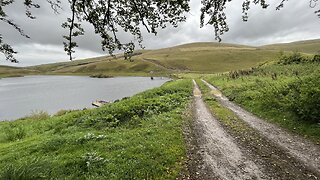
[(21, 96)]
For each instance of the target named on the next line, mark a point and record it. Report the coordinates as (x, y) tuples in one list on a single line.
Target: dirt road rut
[(302, 150), (222, 157)]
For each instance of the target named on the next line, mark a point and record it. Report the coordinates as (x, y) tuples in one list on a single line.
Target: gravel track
[(304, 151), (221, 156)]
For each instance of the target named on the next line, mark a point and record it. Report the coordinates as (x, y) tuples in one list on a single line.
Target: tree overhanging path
[(301, 149)]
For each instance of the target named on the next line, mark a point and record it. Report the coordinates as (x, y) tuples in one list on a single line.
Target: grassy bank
[(136, 138), (285, 92)]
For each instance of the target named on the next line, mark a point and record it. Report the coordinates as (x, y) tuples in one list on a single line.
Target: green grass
[(287, 95), (136, 138)]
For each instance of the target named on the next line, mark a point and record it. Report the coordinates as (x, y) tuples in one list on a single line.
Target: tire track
[(222, 157), (301, 149)]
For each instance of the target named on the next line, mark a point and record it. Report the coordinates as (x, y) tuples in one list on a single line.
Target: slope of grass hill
[(195, 57), (208, 57), (308, 46), (202, 57), (9, 71)]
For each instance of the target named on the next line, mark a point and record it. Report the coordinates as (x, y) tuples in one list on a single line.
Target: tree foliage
[(111, 17)]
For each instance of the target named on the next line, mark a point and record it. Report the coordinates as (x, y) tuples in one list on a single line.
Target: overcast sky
[(296, 21)]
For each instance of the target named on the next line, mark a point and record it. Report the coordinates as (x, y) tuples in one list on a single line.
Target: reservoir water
[(21, 96)]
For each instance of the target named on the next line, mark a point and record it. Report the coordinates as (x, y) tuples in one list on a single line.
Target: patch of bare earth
[(218, 156), (285, 155)]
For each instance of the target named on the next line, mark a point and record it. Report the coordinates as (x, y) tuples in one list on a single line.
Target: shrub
[(295, 58), (316, 58), (62, 112), (301, 98), (306, 98), (100, 76), (14, 132), (244, 72), (38, 115)]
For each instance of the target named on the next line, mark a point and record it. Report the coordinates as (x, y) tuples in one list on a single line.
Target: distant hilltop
[(200, 57)]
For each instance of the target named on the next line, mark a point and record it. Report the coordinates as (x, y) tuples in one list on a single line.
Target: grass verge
[(136, 138)]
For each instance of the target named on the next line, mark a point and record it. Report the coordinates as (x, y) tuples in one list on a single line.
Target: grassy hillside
[(136, 138), (205, 57), (195, 57), (8, 71), (309, 46), (208, 57), (102, 65), (285, 92)]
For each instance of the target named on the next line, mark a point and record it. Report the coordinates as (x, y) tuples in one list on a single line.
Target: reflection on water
[(21, 96)]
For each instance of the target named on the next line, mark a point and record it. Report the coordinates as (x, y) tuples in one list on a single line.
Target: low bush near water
[(101, 76)]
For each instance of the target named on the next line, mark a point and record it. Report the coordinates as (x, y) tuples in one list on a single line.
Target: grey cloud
[(271, 26), (41, 54), (295, 22)]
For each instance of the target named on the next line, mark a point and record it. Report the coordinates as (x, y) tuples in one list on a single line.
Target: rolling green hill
[(8, 71), (101, 65), (308, 46), (195, 57), (208, 57), (204, 57)]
